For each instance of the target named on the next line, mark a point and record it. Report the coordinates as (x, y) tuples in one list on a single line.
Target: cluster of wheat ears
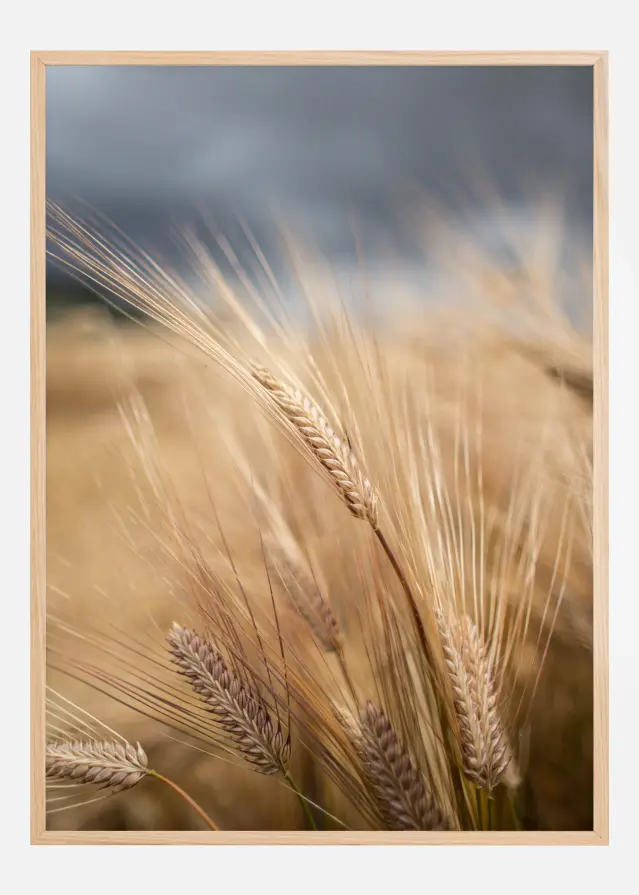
[(386, 547)]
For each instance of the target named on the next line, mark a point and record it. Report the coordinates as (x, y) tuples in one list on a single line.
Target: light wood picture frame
[(40, 60)]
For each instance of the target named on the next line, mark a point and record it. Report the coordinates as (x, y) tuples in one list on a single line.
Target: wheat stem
[(407, 591), (187, 798), (307, 811), (339, 461), (491, 812), (513, 809), (108, 765)]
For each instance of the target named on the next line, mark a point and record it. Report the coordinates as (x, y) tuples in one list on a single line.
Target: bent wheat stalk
[(336, 457), (108, 765), (187, 798)]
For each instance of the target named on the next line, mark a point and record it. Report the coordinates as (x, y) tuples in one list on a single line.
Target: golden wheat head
[(238, 710), (329, 449), (111, 765), (484, 745)]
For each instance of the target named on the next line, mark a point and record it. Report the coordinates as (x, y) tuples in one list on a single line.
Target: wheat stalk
[(486, 752), (332, 451), (108, 764), (337, 458), (238, 710), (398, 788)]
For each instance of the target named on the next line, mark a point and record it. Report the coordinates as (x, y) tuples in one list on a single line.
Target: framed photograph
[(319, 448)]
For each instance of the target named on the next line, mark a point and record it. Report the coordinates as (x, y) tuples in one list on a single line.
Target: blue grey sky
[(315, 143)]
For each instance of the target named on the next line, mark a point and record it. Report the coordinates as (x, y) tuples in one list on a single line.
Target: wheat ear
[(331, 450), (337, 458), (112, 765), (240, 712), (399, 790), (485, 750), (304, 591)]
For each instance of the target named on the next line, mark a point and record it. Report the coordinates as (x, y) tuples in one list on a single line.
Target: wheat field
[(324, 570)]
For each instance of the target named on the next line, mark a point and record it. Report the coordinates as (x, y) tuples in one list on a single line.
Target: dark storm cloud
[(141, 141)]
